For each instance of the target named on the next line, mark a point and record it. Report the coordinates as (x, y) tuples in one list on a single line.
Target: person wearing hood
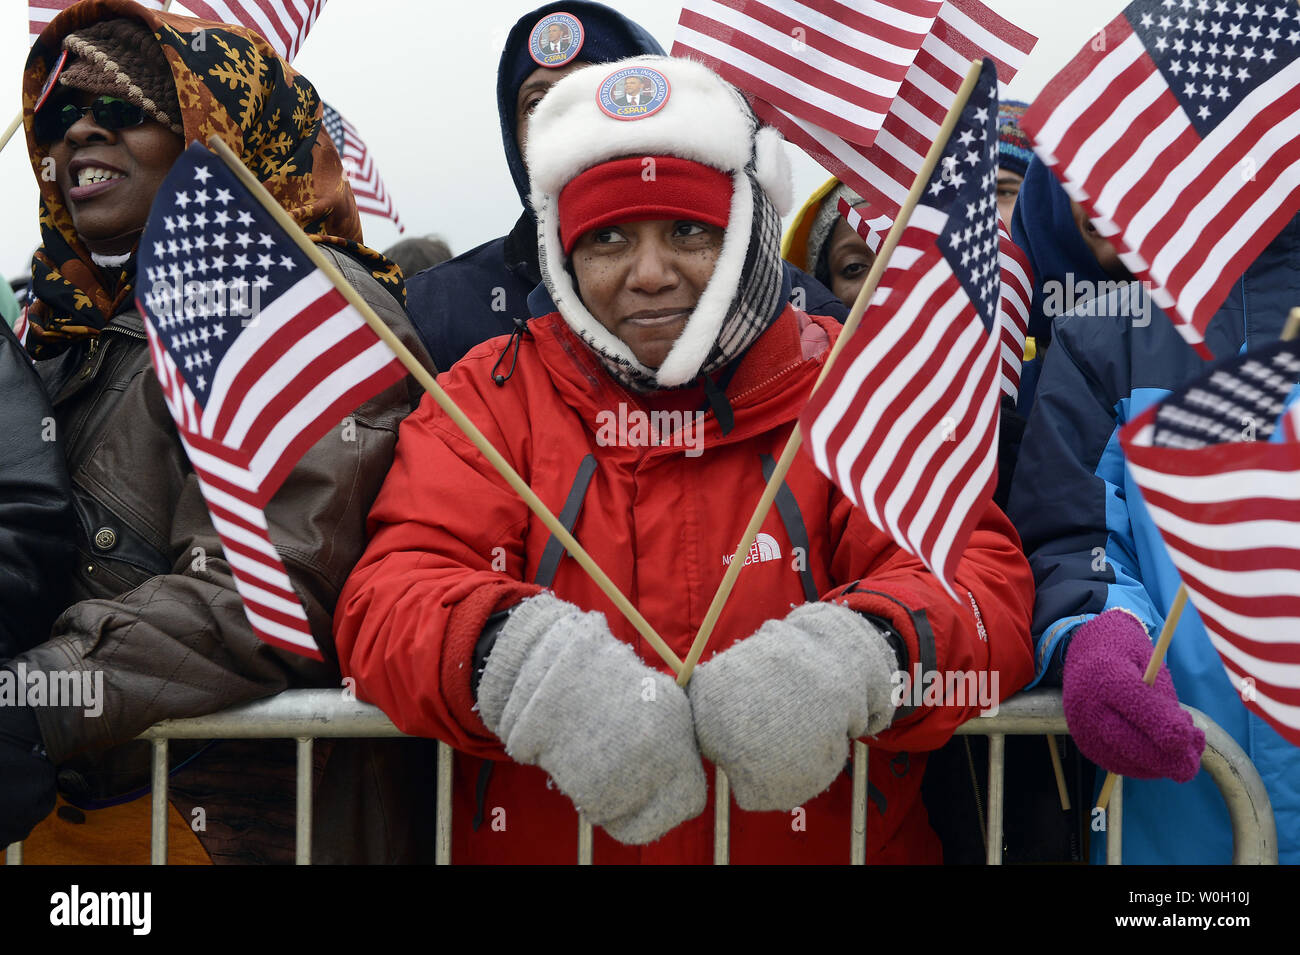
[(484, 293), (648, 409), (1071, 262), (821, 242), (1105, 579), (112, 91)]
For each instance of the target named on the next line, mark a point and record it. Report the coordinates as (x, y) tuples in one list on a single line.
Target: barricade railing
[(307, 715)]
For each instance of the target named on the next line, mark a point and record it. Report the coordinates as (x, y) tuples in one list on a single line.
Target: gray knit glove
[(777, 711), (565, 694)]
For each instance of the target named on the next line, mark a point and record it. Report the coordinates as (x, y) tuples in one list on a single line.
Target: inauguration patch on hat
[(556, 39), (51, 80), (634, 92)]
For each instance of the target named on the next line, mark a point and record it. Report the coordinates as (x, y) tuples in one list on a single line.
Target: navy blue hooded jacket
[(1092, 544), (480, 294)]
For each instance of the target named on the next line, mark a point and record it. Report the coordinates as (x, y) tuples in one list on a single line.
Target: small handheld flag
[(1178, 128), (363, 175), (1219, 468), (906, 422), (259, 356)]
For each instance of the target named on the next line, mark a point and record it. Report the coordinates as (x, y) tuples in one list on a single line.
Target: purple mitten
[(1119, 722)]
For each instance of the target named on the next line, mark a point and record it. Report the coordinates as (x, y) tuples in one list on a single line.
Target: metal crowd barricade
[(307, 715)]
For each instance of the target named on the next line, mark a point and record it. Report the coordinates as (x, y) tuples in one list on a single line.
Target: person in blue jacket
[(484, 293), (1104, 578)]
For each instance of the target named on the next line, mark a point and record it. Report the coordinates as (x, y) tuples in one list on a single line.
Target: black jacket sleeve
[(37, 524)]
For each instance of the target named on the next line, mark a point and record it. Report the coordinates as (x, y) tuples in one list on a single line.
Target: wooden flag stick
[(850, 325), (1059, 771), (12, 128), (445, 402), (1153, 667), (1292, 327)]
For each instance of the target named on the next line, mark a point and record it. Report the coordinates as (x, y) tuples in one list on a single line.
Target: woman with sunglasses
[(112, 92)]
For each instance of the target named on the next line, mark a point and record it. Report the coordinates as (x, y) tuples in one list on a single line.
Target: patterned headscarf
[(229, 81)]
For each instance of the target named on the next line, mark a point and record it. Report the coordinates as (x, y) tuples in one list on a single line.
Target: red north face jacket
[(451, 544)]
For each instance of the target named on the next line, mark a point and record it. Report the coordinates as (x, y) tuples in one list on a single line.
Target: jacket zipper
[(95, 354)]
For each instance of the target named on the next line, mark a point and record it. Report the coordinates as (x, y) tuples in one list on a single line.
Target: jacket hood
[(608, 36), (1043, 225), (234, 86)]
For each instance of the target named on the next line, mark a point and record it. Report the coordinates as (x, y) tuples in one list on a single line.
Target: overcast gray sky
[(426, 104)]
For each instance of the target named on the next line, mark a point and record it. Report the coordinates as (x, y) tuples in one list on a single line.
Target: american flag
[(360, 169), (882, 173), (838, 65), (1016, 292), (41, 12), (282, 23), (906, 421), (259, 356), (1220, 476), (1180, 134)]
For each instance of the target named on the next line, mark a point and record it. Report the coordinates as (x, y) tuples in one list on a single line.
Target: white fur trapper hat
[(704, 119)]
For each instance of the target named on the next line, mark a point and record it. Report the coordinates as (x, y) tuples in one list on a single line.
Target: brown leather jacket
[(155, 606)]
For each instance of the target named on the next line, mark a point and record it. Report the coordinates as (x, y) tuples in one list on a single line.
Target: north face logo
[(764, 548)]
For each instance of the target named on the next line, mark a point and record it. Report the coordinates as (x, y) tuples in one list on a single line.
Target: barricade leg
[(158, 840), (858, 835), (1115, 824), (997, 759), (584, 840), (442, 843), (302, 841), (14, 854), (721, 818)]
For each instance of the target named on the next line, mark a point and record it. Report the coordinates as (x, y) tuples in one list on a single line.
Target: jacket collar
[(521, 249), (769, 386)]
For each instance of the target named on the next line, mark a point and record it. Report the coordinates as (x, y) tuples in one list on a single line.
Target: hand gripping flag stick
[(850, 325), (1289, 332), (445, 402)]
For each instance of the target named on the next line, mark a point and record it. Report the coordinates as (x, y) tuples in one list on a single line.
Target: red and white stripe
[(283, 23), (882, 173), (1013, 309), (1181, 210), (1230, 516), (273, 608), (1016, 292), (363, 175), (299, 367), (41, 12), (864, 227), (838, 65), (907, 423)]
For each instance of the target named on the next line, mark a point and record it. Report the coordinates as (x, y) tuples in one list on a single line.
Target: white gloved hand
[(565, 694), (777, 711)]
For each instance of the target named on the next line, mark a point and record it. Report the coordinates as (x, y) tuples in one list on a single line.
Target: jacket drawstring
[(516, 340)]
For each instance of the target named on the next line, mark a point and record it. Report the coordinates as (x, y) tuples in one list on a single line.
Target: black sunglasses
[(110, 112)]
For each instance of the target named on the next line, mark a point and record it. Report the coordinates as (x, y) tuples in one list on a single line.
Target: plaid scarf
[(235, 86), (758, 302)]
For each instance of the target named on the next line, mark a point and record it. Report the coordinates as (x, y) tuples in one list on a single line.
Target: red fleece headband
[(619, 191)]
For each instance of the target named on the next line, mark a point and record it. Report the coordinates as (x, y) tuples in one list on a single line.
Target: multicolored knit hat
[(1014, 149), (121, 58)]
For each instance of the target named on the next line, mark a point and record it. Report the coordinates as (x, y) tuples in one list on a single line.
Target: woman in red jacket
[(646, 410)]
